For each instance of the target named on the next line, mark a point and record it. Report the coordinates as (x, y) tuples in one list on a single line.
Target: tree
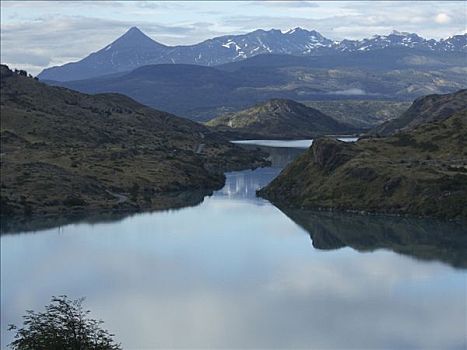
[(64, 325)]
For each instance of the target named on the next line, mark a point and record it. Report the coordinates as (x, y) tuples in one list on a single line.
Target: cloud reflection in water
[(233, 272)]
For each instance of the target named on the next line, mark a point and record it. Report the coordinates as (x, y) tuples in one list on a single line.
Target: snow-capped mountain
[(232, 48), (134, 49), (403, 39), (395, 39), (454, 43)]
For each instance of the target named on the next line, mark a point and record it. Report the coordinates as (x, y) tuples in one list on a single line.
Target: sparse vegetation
[(416, 172), (426, 109), (361, 113), (65, 152)]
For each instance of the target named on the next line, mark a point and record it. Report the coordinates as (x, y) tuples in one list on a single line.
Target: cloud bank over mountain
[(36, 35)]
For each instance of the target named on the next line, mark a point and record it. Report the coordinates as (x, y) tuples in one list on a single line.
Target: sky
[(40, 34)]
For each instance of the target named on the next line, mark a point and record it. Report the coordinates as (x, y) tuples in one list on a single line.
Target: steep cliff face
[(328, 154)]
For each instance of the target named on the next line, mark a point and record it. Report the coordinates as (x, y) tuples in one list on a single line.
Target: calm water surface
[(237, 272), (288, 144)]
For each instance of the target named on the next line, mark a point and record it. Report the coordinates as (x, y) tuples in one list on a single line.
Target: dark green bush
[(64, 325)]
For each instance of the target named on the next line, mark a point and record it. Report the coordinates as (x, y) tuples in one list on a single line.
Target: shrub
[(64, 325)]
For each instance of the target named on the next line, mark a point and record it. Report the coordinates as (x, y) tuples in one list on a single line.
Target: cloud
[(227, 287), (354, 20), (26, 56), (288, 3), (442, 18), (65, 31), (52, 40)]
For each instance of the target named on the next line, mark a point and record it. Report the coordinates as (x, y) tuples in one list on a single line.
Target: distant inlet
[(287, 143)]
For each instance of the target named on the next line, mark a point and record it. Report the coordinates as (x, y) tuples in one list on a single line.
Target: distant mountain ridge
[(201, 92), (135, 49)]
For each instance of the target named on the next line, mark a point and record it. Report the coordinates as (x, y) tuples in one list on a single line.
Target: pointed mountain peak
[(134, 32), (134, 37)]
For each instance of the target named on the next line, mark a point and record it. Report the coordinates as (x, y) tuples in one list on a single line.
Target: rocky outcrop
[(422, 172), (329, 154)]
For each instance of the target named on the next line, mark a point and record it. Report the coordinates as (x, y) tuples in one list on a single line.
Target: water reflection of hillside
[(279, 156), (243, 184), (176, 200), (421, 239), (240, 184)]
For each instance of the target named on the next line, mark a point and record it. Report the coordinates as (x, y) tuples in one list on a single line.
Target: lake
[(237, 272), (288, 144)]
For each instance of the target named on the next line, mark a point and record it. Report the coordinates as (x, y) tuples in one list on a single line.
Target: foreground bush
[(64, 325)]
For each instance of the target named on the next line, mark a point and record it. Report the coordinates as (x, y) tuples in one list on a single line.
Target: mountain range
[(135, 49), (202, 93)]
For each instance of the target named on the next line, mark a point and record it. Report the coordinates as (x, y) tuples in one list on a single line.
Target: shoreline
[(359, 212), (163, 201)]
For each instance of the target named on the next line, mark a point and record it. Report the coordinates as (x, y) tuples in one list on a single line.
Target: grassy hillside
[(64, 151), (279, 119), (422, 172), (360, 113), (425, 109)]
